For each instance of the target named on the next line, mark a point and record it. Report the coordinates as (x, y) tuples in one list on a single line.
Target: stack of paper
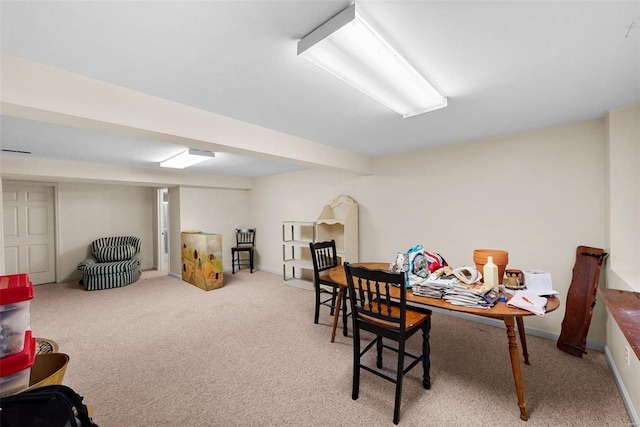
[(433, 288), (476, 295), (528, 301), (538, 282)]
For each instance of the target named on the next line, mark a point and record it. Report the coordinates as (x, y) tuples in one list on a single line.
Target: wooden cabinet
[(339, 221), (297, 266)]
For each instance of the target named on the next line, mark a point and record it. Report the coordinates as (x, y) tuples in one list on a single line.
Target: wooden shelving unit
[(297, 266), (339, 221)]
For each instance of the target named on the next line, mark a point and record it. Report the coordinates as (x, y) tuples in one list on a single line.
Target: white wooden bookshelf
[(339, 221), (297, 266)]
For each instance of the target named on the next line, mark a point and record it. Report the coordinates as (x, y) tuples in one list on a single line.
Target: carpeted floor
[(161, 352)]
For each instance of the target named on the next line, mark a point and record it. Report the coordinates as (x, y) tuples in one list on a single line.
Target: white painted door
[(29, 242)]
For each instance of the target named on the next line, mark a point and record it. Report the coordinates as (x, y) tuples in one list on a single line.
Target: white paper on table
[(538, 282), (527, 301)]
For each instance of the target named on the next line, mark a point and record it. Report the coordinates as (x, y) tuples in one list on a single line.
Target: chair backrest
[(324, 256), (369, 292), (115, 241), (245, 236)]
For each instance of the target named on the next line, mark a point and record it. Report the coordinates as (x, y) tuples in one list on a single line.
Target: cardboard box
[(202, 259)]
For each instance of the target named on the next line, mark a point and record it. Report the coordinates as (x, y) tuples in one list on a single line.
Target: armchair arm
[(137, 256), (87, 263)]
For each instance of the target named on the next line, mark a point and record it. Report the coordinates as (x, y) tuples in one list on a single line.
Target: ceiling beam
[(25, 168), (35, 91)]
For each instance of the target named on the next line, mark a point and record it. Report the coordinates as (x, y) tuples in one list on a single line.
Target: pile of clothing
[(429, 275)]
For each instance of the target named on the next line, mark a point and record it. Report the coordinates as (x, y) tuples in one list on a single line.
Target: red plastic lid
[(15, 288), (19, 361)]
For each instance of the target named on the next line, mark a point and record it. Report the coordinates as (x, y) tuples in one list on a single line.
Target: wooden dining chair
[(372, 310), (325, 257), (245, 242)]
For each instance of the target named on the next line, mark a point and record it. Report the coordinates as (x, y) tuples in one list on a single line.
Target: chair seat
[(245, 243), (413, 318), (323, 279), (242, 248)]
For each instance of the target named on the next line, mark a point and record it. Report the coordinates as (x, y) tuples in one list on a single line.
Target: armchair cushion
[(107, 268), (114, 253)]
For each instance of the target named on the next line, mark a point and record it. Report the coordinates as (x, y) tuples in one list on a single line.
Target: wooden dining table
[(509, 315)]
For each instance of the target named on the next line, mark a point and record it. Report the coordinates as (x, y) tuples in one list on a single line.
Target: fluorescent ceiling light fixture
[(187, 158), (350, 49)]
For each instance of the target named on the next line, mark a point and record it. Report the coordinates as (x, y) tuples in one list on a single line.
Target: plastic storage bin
[(15, 370), (16, 293)]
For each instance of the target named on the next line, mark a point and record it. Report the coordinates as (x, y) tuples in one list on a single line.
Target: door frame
[(161, 192)]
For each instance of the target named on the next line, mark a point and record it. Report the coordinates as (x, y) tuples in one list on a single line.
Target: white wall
[(294, 196), (212, 211), (623, 235), (623, 180), (175, 250), (89, 211), (538, 195)]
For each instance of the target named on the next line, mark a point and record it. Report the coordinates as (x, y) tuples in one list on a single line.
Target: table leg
[(523, 339), (336, 314), (509, 322)]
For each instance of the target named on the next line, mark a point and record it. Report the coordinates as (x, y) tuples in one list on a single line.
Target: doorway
[(163, 228), (29, 234)]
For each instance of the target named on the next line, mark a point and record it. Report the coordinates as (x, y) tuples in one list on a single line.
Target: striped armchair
[(114, 262)]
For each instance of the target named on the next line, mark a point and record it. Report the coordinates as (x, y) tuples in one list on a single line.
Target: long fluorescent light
[(350, 49), (187, 158)]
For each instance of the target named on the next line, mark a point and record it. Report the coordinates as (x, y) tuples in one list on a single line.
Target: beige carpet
[(161, 352)]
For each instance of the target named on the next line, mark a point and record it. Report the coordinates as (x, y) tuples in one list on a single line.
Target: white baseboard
[(593, 345), (268, 270), (635, 420)]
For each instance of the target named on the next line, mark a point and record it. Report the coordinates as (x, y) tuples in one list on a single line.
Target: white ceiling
[(506, 67)]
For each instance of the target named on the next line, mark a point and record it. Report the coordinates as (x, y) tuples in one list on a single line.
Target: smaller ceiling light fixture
[(187, 158), (350, 49)]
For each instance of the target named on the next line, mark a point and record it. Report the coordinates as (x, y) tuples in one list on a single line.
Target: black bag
[(47, 406)]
